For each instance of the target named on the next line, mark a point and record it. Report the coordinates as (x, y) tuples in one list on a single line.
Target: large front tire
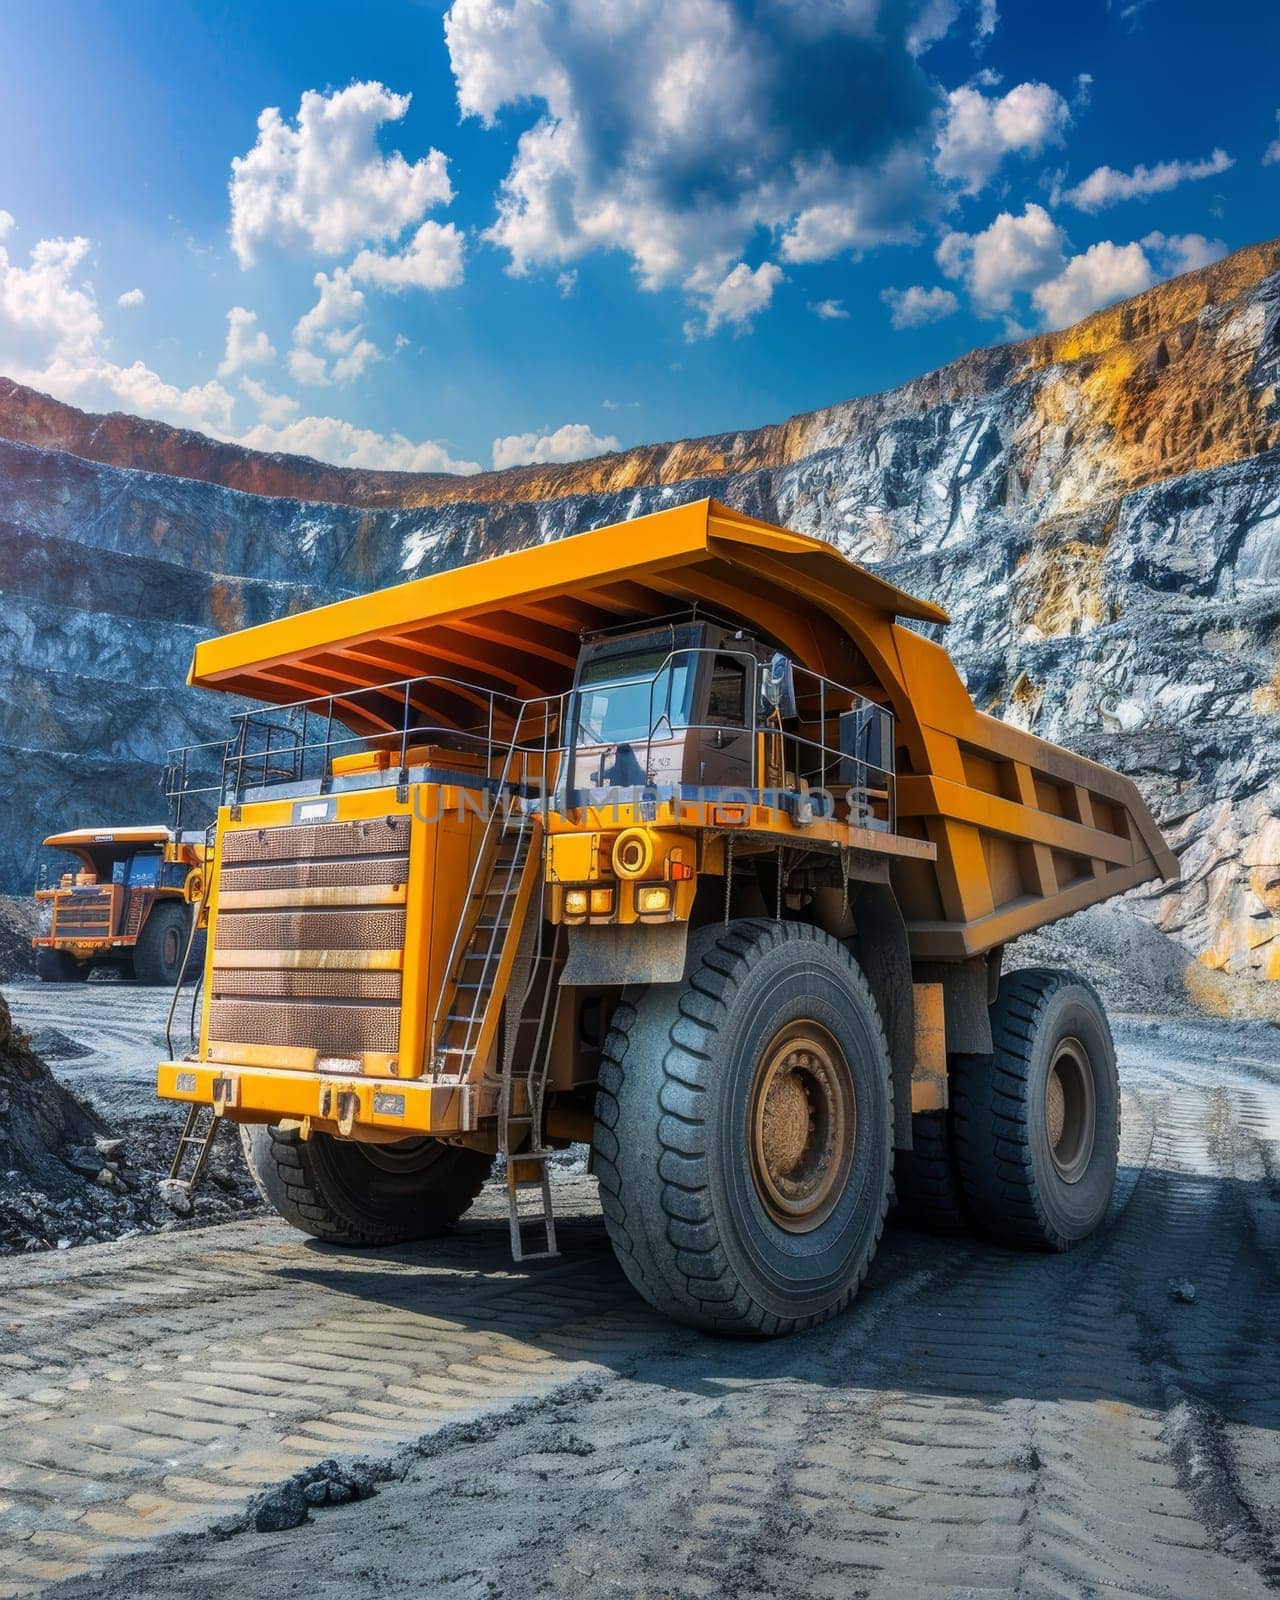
[(1037, 1122), (157, 956), (743, 1131), (350, 1193)]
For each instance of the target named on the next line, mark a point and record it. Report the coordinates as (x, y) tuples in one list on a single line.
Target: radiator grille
[(332, 1010), (304, 983), (312, 841), (83, 916), (332, 1029), (349, 874), (357, 929)]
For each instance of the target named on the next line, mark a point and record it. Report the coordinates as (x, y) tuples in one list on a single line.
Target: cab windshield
[(625, 699)]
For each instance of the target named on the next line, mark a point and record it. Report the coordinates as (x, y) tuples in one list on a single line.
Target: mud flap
[(611, 954)]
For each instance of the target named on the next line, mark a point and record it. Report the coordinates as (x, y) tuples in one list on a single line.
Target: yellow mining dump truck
[(125, 903), (679, 838)]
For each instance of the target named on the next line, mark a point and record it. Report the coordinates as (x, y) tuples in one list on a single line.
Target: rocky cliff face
[(1098, 509)]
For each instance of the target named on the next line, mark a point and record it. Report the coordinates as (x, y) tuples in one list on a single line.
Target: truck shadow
[(1176, 1298)]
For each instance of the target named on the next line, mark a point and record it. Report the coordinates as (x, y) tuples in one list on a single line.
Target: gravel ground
[(979, 1422), (102, 1039)]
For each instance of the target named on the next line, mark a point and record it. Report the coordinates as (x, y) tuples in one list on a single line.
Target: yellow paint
[(929, 1070)]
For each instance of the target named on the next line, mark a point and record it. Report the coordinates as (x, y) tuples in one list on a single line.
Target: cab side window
[(727, 702)]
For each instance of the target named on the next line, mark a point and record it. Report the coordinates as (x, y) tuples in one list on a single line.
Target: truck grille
[(83, 914), (298, 999)]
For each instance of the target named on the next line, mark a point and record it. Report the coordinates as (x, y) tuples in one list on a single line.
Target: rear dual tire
[(743, 1131), (1036, 1124), (346, 1192)]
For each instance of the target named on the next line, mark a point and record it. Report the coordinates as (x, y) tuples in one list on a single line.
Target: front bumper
[(353, 1107)]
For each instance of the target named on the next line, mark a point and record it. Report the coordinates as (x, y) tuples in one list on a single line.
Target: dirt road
[(980, 1422)]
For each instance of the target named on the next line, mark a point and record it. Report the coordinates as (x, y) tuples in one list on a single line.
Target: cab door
[(726, 735)]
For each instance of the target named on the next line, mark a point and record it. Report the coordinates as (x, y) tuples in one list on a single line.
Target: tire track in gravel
[(981, 1421), (140, 1395)]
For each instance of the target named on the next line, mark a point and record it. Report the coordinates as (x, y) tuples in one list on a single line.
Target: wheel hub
[(803, 1125), (1069, 1110)]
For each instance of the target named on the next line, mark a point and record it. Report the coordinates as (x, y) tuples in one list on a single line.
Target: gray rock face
[(1130, 613)]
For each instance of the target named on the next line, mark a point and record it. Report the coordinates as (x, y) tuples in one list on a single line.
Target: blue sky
[(547, 227)]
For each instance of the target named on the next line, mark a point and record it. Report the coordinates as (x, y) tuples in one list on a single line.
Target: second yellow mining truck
[(125, 902), (679, 837)]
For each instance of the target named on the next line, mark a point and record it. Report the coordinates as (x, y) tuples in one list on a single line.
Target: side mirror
[(777, 685)]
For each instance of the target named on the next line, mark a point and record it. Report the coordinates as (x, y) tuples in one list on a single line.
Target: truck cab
[(119, 899)]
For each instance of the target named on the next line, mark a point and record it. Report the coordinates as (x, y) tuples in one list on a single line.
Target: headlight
[(575, 903), (653, 897), (601, 902)]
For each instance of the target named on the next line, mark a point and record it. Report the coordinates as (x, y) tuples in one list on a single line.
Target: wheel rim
[(1070, 1115), (172, 947), (804, 1122)]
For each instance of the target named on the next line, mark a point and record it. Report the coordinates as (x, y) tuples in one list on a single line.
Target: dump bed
[(1025, 831)]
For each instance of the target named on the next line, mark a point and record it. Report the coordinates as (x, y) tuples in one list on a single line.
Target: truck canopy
[(514, 622), (82, 838), (1025, 831)]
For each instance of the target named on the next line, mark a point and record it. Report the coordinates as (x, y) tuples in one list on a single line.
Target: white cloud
[(431, 260), (574, 441), (41, 307), (1011, 255), (6, 223), (338, 301), (307, 367), (324, 184), (737, 299), (247, 344), (131, 297), (273, 409), (1270, 158), (1184, 252), (97, 384), (979, 131), (830, 311), (1106, 187), (331, 324), (354, 358), (1028, 255), (330, 439), (51, 339), (1105, 272), (916, 306), (864, 210), (672, 130)]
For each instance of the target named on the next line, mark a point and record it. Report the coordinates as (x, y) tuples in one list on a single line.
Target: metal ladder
[(193, 1135), (471, 988), (520, 1121)]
